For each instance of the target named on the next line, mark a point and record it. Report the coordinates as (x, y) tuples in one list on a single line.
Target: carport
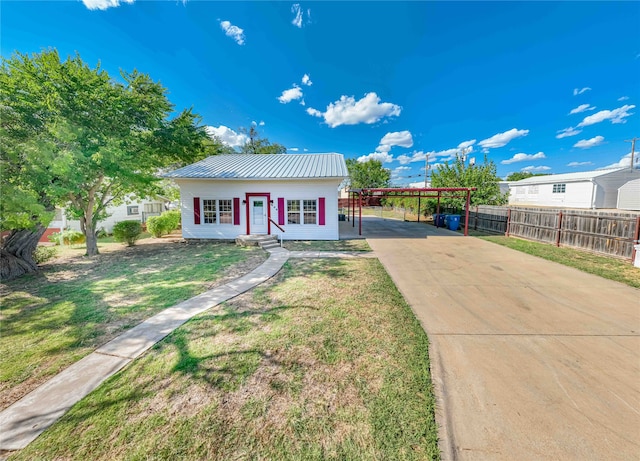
[(356, 197)]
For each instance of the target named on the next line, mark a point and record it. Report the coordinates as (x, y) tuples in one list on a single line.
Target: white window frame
[(559, 188), (217, 212), (301, 212)]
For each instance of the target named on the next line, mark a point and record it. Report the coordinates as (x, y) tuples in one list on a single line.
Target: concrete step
[(270, 244)]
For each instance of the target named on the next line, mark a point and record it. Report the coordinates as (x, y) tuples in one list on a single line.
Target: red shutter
[(321, 211), (196, 210), (236, 211), (281, 211)]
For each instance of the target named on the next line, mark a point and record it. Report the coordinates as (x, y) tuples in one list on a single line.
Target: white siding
[(116, 214), (629, 196), (610, 184), (289, 190), (576, 195)]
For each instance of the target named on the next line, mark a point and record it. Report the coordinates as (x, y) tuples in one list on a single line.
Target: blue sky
[(543, 87)]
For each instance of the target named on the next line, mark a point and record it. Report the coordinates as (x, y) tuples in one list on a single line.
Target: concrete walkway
[(27, 418), (531, 360)]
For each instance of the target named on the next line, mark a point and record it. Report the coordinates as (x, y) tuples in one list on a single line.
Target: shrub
[(163, 224), (127, 232), (44, 254), (69, 237), (102, 233)]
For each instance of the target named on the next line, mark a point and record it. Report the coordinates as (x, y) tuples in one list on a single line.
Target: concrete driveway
[(531, 360)]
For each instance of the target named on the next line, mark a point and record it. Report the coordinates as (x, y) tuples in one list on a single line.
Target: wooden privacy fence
[(608, 232)]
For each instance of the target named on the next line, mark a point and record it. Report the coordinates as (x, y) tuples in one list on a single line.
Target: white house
[(629, 196), (587, 189), (130, 210), (224, 196)]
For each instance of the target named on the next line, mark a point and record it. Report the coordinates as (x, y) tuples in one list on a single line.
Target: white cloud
[(261, 123), (306, 80), (616, 116), (465, 144), (227, 135), (298, 18), (523, 157), (395, 138), (502, 139), (348, 111), (574, 164), (532, 168), (582, 108), (567, 132), (577, 91), (293, 149), (290, 95), (623, 98), (233, 31), (587, 143), (402, 168), (625, 162), (381, 156), (314, 112), (104, 4)]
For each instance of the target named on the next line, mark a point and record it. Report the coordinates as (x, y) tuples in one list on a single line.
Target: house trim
[(248, 195)]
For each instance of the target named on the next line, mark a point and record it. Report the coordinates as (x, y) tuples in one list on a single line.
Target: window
[(153, 207), (302, 211), (293, 211), (217, 211), (309, 207), (559, 188), (225, 211), (132, 210)]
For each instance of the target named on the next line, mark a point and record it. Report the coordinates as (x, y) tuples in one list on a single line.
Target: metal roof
[(565, 177), (266, 166)]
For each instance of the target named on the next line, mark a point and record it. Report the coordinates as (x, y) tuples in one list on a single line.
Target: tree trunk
[(89, 229), (16, 254)]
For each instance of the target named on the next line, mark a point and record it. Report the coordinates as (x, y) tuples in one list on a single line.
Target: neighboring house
[(131, 210), (587, 189), (629, 196), (224, 196)]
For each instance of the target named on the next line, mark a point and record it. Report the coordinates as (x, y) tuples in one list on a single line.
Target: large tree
[(259, 145), (369, 174), (73, 136), (460, 174), (518, 175)]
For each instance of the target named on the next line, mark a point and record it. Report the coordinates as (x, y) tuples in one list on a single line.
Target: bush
[(69, 237), (44, 254), (102, 233), (127, 232), (163, 224)]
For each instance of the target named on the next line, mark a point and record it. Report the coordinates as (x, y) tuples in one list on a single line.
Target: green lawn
[(606, 267), (324, 362), (75, 304)]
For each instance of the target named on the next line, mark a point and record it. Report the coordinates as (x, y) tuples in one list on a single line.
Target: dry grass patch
[(325, 361), (75, 304)]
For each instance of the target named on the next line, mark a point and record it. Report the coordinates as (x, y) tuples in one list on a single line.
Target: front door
[(258, 215)]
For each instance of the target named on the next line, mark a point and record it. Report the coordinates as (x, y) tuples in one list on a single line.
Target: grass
[(324, 362), (75, 304), (603, 266), (328, 245)]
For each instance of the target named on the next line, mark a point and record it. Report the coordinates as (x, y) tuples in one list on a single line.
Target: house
[(224, 196), (130, 210), (587, 189), (629, 196)]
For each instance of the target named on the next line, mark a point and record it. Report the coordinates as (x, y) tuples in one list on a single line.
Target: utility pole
[(426, 171), (633, 149)]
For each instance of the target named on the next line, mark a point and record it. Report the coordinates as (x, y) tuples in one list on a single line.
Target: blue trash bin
[(454, 222), (438, 220)]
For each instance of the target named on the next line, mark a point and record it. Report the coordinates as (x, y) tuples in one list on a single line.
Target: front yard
[(75, 304)]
